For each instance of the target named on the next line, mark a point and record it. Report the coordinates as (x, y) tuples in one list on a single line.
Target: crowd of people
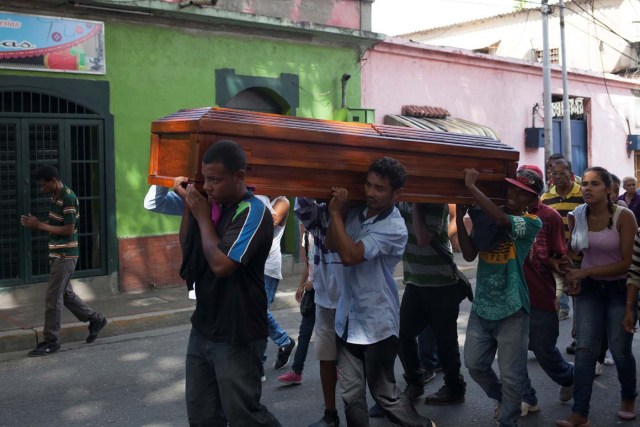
[(566, 236), (565, 239)]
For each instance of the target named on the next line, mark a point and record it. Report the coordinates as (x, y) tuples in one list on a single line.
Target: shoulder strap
[(436, 247), (616, 214)]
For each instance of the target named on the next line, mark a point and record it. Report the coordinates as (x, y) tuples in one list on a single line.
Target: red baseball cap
[(529, 178)]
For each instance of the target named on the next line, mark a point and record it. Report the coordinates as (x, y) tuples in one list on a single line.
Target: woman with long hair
[(604, 233)]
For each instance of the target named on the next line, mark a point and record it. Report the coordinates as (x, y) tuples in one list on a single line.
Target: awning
[(437, 119)]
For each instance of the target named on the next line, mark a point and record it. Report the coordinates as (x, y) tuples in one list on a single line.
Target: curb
[(27, 339)]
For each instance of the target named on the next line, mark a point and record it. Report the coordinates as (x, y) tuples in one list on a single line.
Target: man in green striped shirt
[(430, 299), (62, 227)]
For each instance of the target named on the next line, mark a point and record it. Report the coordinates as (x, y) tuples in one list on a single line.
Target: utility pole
[(546, 81), (566, 114)]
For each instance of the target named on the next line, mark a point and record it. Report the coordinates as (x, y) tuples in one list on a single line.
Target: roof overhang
[(209, 18)]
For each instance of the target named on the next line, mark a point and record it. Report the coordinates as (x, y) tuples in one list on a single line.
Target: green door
[(74, 146)]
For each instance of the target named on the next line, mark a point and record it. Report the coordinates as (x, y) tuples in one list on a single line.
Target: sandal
[(626, 416)]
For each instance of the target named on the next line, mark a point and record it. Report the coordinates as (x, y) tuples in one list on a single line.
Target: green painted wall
[(154, 71)]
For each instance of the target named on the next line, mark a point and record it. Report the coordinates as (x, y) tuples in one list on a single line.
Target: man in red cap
[(499, 318), (547, 254)]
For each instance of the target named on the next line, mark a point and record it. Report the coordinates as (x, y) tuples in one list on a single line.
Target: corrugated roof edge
[(501, 15)]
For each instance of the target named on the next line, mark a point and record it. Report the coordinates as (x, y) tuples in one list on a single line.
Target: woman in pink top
[(604, 232)]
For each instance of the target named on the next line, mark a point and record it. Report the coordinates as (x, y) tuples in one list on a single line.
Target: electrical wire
[(596, 20), (326, 101), (604, 79), (601, 41)]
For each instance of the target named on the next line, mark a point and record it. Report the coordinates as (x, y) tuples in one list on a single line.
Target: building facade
[(506, 95), (90, 115)]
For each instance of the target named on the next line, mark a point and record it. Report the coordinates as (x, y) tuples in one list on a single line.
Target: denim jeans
[(372, 365), (438, 308), (543, 335), (278, 335), (304, 337), (599, 305), (212, 367), (509, 338)]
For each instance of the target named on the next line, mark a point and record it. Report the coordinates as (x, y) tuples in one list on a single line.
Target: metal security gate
[(74, 145), (579, 160)]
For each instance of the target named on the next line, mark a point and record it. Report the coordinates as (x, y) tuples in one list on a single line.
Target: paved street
[(138, 380)]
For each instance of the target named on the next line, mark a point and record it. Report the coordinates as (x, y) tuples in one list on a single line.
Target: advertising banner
[(42, 43)]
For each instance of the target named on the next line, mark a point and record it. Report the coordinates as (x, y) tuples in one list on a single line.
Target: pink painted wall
[(499, 93)]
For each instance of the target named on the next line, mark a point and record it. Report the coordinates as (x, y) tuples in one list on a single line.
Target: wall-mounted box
[(361, 115), (633, 142), (534, 137)]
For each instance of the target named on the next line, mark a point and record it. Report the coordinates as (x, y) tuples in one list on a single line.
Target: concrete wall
[(589, 45), (499, 93), (338, 13)]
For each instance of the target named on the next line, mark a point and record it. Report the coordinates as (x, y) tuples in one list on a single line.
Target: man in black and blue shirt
[(224, 255)]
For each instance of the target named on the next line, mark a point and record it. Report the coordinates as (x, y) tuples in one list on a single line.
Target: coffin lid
[(215, 120)]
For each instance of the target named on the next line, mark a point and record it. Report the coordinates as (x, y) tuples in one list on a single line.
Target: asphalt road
[(138, 380)]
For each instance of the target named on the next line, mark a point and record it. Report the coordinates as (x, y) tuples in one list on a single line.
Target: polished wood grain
[(305, 157)]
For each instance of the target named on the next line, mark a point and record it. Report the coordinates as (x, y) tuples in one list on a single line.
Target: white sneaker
[(566, 393), (526, 408), (608, 360), (599, 369)]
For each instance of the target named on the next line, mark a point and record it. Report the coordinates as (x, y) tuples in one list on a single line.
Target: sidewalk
[(21, 327)]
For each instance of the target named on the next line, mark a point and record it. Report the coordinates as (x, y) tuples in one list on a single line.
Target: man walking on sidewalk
[(63, 256)]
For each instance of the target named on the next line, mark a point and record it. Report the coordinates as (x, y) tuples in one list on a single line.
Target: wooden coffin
[(305, 157)]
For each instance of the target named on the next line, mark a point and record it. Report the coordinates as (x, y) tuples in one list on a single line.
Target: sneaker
[(263, 378), (427, 376), (94, 329), (526, 409), (563, 314), (414, 391), (329, 419), (571, 349), (608, 360), (284, 354), (44, 349), (291, 377), (376, 411), (497, 413), (566, 393), (599, 369), (444, 396)]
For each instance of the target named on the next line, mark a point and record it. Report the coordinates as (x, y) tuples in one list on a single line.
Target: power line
[(597, 21), (601, 41)]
